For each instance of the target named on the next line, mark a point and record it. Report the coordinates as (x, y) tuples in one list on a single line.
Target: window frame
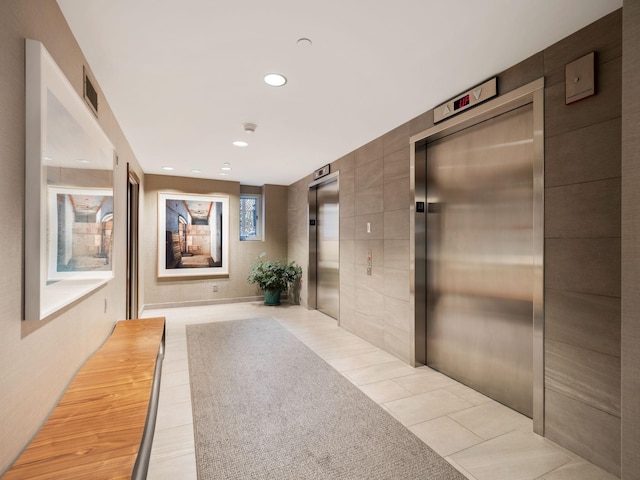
[(259, 215)]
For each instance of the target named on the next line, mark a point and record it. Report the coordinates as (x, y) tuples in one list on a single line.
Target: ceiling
[(182, 76)]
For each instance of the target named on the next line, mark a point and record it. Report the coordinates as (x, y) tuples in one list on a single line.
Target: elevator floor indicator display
[(475, 96)]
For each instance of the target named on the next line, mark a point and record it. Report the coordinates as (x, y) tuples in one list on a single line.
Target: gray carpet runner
[(266, 407)]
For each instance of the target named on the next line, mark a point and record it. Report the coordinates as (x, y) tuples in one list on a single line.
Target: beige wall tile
[(376, 222), (584, 375), (583, 155), (397, 314), (369, 200), (396, 254), (421, 123), (347, 251), (347, 182), (347, 306), (369, 152), (371, 286), (396, 225), (347, 228), (583, 265), (590, 209), (585, 430), (522, 73), (369, 175), (587, 321), (362, 249), (347, 163), (396, 165), (397, 342), (396, 139), (347, 317), (347, 204), (631, 233), (396, 195), (370, 327), (396, 283), (347, 275)]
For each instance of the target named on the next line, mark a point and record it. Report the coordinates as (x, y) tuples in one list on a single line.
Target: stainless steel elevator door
[(480, 269), (328, 249)]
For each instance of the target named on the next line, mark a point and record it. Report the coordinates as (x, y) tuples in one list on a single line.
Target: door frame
[(133, 244), (531, 93), (312, 271)]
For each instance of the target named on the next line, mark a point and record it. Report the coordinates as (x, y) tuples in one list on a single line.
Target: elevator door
[(328, 249), (480, 269)]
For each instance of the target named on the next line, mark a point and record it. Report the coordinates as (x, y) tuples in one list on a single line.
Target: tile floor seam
[(465, 427), (366, 366), (308, 325)]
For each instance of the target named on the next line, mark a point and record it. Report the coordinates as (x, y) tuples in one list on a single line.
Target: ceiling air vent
[(90, 94)]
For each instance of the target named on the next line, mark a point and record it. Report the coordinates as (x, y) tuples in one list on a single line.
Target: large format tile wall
[(374, 190), (630, 241), (582, 241), (582, 249)]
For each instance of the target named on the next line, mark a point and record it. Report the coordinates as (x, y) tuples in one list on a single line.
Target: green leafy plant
[(273, 276)]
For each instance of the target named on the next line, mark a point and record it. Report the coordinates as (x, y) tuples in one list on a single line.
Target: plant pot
[(271, 297)]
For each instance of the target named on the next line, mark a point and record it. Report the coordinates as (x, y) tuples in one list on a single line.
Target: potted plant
[(273, 277)]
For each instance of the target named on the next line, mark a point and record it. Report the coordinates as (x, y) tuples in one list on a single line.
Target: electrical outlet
[(215, 288)]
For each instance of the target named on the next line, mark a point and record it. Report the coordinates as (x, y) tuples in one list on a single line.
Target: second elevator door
[(328, 253), (480, 257)]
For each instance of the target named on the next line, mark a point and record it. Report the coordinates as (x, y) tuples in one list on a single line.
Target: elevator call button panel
[(475, 96)]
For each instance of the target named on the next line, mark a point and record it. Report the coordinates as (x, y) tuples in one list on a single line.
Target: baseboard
[(198, 303)]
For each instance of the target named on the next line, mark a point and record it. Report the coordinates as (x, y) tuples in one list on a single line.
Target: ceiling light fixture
[(195, 170), (240, 143), (167, 168), (249, 127), (83, 160), (223, 174), (275, 79), (226, 169)]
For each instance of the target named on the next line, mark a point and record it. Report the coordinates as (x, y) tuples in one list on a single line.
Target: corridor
[(480, 437)]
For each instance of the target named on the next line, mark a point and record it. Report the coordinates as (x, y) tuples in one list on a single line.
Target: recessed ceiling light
[(223, 173), (195, 170), (167, 168), (275, 79), (83, 160), (240, 143), (226, 169)]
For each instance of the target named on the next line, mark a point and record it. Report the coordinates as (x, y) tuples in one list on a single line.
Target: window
[(250, 216)]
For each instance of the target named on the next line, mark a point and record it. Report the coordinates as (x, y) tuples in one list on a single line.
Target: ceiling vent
[(89, 93), (249, 127)]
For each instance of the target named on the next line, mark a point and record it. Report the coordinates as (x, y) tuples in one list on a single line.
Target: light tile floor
[(480, 437)]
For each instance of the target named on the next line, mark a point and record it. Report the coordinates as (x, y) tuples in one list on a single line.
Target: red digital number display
[(461, 102)]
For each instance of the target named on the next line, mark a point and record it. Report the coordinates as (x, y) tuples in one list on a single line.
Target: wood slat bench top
[(96, 429)]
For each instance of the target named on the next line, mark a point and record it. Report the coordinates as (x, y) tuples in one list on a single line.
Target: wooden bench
[(102, 428)]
